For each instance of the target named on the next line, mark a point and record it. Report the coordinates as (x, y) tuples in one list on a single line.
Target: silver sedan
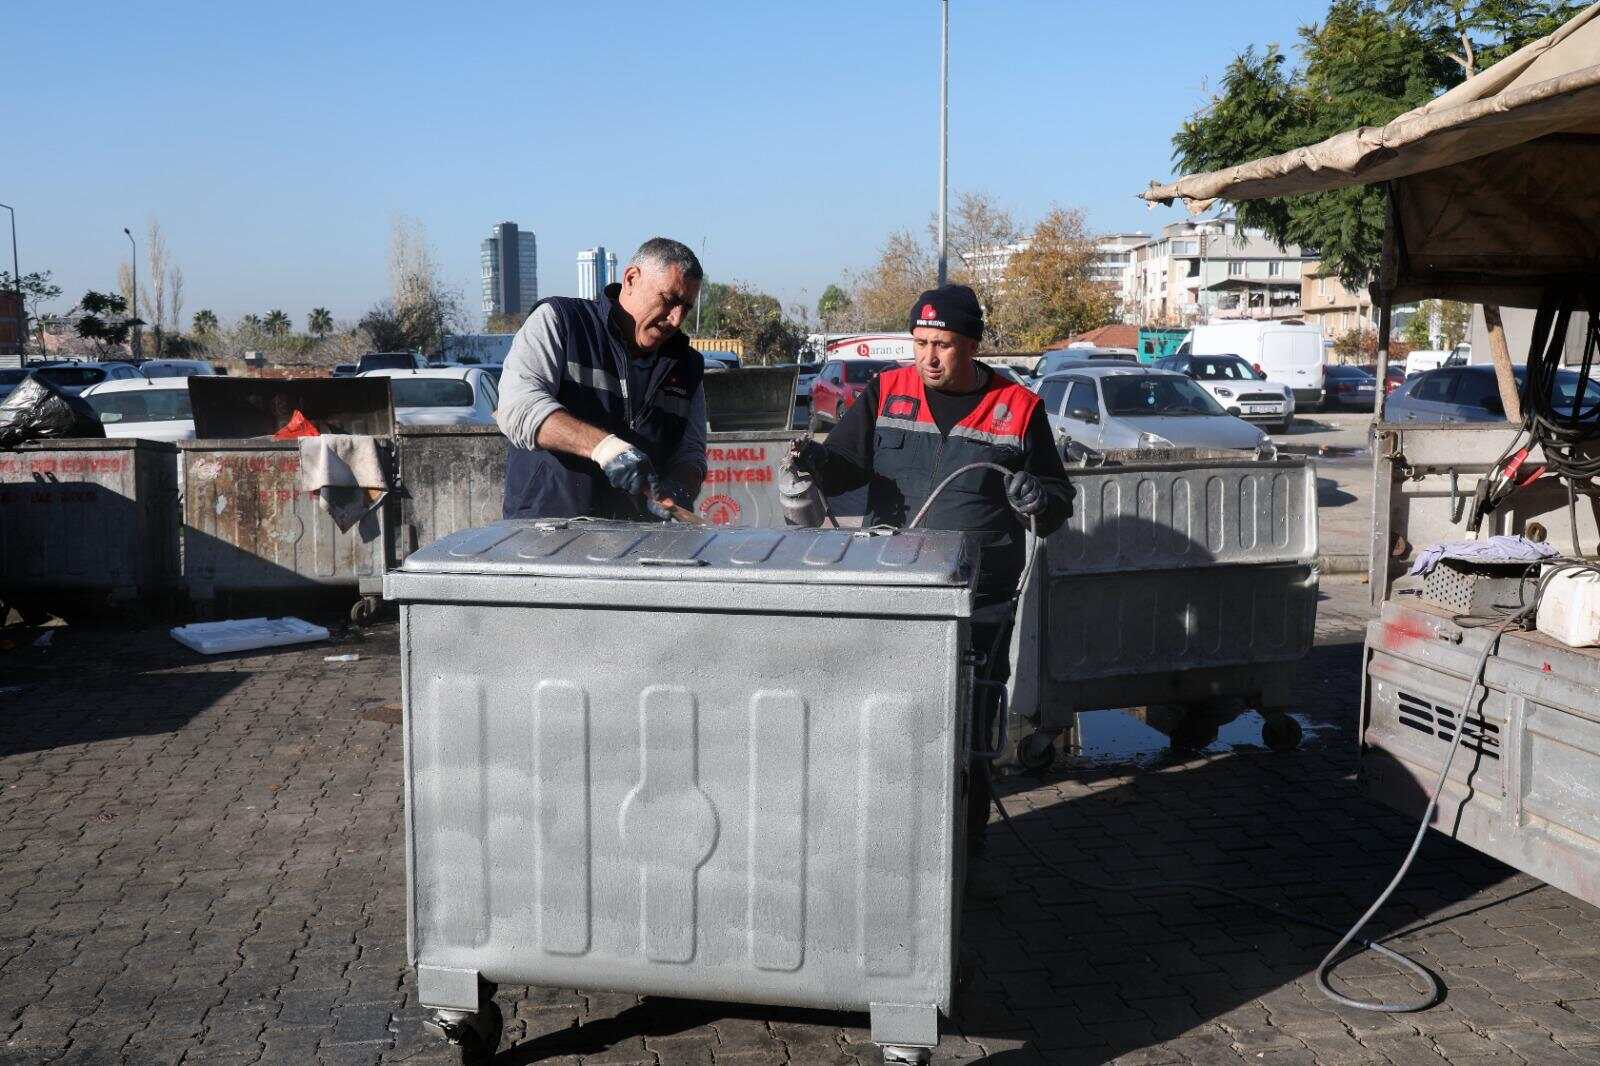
[(1133, 407)]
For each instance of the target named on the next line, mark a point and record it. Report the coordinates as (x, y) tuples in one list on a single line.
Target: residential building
[(510, 263), (1114, 266), (597, 268), (1195, 271), (1325, 302)]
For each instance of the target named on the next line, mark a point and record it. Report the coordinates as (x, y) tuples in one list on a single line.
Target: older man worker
[(601, 399), (914, 426)]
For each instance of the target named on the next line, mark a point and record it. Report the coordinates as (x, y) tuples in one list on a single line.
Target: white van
[(1433, 358), (1291, 354)]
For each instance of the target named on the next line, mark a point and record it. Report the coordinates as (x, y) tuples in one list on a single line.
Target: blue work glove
[(1024, 493), (625, 466)]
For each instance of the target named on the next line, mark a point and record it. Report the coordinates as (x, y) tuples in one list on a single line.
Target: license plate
[(1261, 408)]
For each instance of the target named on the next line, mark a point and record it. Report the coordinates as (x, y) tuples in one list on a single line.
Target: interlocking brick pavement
[(201, 862)]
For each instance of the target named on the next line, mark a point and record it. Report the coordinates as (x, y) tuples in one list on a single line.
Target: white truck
[(1290, 353)]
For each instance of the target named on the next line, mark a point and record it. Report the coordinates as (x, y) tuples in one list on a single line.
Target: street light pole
[(944, 142), (16, 282), (133, 257)]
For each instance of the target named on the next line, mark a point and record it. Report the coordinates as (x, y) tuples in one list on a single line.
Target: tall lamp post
[(133, 257), (16, 282), (944, 142)]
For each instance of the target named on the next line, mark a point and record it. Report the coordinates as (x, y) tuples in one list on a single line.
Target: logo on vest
[(1000, 417), (900, 407)]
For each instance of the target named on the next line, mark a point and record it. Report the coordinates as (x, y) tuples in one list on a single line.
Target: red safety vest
[(910, 456)]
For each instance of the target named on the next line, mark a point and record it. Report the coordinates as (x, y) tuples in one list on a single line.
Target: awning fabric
[(1494, 183)]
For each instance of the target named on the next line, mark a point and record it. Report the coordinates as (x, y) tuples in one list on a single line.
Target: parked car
[(838, 384), (1422, 360), (728, 360), (712, 364), (72, 378), (1119, 406), (442, 396), (1059, 359), (1282, 351), (346, 370), (1464, 394), (151, 410), (10, 378), (1241, 389), (177, 368), (1396, 375), (390, 361), (1349, 386)]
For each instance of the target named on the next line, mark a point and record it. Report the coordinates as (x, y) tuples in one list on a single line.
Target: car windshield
[(1224, 368), (72, 376), (387, 361), (431, 392), (142, 405), (861, 371), (1153, 394)]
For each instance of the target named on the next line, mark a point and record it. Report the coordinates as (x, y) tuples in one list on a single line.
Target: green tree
[(739, 310), (1448, 320), (277, 323), (250, 322), (1363, 65), (205, 322), (104, 320), (1049, 290), (833, 303), (319, 323)]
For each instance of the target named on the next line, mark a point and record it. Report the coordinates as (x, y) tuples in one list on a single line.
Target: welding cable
[(1435, 989)]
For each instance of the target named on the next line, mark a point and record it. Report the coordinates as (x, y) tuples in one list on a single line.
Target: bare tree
[(983, 237), (420, 302), (175, 300), (1050, 291), (153, 296)]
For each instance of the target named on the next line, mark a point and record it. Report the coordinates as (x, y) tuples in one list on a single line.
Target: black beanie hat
[(954, 307)]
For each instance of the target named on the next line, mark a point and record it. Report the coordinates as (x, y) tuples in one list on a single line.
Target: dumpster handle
[(1003, 708)]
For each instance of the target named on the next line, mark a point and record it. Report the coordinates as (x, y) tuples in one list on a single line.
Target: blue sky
[(276, 141)]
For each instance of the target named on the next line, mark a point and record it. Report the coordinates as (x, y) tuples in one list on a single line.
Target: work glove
[(808, 457), (664, 488), (625, 466), (1024, 493)]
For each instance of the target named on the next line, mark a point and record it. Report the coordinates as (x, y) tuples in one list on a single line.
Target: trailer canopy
[(1495, 185)]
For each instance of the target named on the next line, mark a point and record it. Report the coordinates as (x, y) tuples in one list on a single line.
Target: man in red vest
[(915, 425)]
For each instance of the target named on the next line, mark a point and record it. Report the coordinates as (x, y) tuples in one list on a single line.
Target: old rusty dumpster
[(91, 517), (452, 478), (247, 528), (751, 829)]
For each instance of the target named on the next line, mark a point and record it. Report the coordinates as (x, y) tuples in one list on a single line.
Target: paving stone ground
[(201, 862)]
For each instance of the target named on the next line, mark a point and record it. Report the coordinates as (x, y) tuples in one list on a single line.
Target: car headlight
[(1153, 440), (1224, 391)]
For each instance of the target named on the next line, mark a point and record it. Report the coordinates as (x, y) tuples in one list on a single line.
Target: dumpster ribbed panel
[(891, 757), (456, 790), (561, 770), (777, 876)]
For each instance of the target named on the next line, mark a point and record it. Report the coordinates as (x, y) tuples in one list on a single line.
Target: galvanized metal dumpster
[(636, 760), (1176, 581), (91, 516)]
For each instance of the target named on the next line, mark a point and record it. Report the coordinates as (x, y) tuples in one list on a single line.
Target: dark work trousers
[(990, 626)]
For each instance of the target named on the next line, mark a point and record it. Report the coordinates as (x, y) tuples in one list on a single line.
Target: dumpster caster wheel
[(1036, 751), (1281, 733), (474, 1036), (365, 612), (896, 1054)]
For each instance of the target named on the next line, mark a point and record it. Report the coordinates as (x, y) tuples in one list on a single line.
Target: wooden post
[(1383, 358), (1500, 352)]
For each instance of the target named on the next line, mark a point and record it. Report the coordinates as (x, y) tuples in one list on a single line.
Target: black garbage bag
[(37, 410)]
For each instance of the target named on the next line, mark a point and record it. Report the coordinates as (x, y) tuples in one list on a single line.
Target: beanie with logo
[(953, 307)]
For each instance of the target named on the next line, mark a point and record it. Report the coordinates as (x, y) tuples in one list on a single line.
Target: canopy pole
[(1500, 353), (1384, 309)]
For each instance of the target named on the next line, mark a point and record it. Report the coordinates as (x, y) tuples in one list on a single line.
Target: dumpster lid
[(636, 551)]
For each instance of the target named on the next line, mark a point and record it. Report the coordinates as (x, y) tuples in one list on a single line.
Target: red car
[(837, 386), (1397, 375)]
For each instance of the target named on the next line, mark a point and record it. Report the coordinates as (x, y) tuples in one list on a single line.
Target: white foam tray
[(246, 634)]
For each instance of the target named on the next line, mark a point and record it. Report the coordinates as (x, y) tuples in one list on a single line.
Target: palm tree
[(319, 322), (251, 322), (205, 321), (276, 323)]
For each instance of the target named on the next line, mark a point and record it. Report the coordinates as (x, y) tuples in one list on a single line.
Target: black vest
[(594, 389)]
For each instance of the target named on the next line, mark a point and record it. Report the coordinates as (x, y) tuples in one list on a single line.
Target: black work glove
[(1024, 493), (625, 466), (809, 457), (665, 489)]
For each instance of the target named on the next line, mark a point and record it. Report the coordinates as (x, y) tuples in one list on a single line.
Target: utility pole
[(701, 291), (944, 142), (133, 257), (16, 281)]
